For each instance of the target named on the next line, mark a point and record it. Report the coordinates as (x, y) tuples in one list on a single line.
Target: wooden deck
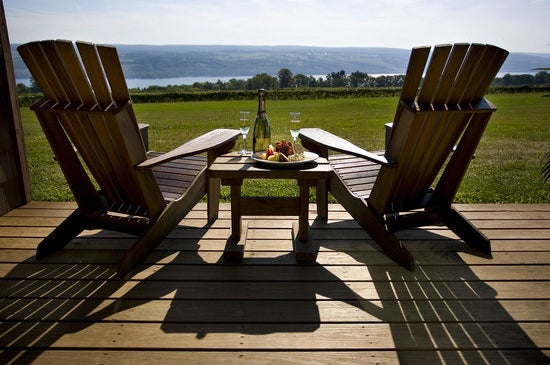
[(355, 306)]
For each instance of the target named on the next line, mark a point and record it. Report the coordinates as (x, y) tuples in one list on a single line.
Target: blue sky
[(516, 25)]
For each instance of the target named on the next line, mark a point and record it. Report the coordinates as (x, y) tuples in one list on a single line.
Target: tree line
[(540, 78), (285, 79)]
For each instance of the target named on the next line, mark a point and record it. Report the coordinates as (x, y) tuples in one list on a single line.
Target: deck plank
[(353, 306), (324, 336)]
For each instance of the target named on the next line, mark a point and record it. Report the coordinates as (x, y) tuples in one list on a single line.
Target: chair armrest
[(215, 139), (326, 140), (144, 131)]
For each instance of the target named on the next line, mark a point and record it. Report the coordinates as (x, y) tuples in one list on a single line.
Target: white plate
[(308, 157)]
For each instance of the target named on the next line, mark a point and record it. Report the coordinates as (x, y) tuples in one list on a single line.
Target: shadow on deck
[(354, 306)]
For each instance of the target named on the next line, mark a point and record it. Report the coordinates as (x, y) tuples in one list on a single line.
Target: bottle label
[(262, 130), (262, 143)]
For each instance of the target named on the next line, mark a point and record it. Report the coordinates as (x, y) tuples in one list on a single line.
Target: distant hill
[(168, 61)]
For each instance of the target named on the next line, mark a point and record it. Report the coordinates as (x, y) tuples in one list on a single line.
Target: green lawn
[(506, 168)]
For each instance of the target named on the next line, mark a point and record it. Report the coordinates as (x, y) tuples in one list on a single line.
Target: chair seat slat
[(82, 88), (96, 75), (113, 72), (433, 75), (446, 83)]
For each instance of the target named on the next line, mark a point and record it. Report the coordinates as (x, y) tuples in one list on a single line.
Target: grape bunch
[(284, 147)]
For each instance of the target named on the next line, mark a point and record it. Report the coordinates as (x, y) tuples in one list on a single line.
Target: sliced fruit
[(274, 157)]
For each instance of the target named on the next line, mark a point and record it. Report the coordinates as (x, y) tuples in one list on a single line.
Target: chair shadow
[(239, 303), (37, 309), (236, 305), (444, 314), (41, 301)]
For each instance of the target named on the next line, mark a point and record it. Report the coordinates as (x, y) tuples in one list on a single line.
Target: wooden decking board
[(449, 293), (288, 311), (185, 305), (263, 337), (282, 357), (272, 257), (261, 245), (261, 273)]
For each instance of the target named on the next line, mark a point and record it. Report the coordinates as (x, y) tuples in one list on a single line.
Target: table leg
[(236, 213), (305, 248), (303, 221), (234, 247), (305, 251), (322, 199)]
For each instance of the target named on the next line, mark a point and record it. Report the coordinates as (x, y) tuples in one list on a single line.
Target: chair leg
[(464, 229), (386, 240), (141, 249), (71, 227), (213, 199), (167, 221), (376, 228)]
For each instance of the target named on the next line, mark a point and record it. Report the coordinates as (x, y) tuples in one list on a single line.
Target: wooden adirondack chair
[(439, 121), (87, 116)]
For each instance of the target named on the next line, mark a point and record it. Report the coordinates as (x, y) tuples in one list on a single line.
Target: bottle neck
[(261, 107), (261, 101)]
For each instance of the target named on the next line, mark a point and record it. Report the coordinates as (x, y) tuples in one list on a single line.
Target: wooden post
[(15, 183)]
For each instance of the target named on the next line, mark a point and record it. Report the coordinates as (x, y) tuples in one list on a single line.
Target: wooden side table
[(233, 169)]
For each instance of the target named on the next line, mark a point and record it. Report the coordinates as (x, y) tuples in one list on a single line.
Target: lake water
[(190, 80), (143, 83)]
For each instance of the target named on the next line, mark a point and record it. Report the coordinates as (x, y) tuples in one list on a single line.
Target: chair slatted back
[(442, 110), (87, 105)]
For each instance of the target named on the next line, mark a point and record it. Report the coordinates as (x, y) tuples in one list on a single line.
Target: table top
[(232, 165)]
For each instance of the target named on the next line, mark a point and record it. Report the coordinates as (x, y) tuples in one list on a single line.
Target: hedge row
[(284, 94)]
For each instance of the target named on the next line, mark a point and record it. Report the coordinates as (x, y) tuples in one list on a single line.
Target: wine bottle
[(261, 137)]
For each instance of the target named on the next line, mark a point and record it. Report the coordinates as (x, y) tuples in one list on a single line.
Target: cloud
[(518, 25)]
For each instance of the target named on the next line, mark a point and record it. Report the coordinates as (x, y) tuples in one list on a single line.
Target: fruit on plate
[(282, 152), (269, 152), (284, 147)]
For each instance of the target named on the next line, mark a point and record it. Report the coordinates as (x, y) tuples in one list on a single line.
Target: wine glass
[(244, 127), (294, 125)]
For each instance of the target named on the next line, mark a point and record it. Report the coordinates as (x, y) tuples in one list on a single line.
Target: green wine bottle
[(261, 137)]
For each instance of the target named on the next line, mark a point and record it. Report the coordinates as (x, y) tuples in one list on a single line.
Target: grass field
[(506, 168)]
